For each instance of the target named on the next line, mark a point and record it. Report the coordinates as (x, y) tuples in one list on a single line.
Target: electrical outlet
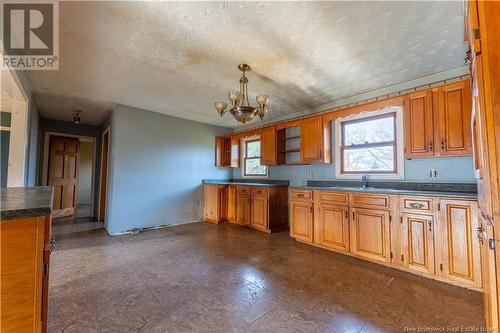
[(433, 173)]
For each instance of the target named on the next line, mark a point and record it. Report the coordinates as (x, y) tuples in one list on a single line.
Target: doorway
[(104, 175), (69, 164)]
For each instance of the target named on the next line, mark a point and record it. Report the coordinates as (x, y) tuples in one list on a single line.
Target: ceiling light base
[(244, 67)]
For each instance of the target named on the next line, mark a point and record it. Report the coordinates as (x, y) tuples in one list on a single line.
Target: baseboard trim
[(141, 230)]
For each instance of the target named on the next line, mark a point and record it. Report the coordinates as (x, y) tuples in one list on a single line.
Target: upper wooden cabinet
[(268, 146), (315, 140), (454, 113), (437, 122), (419, 125), (227, 150)]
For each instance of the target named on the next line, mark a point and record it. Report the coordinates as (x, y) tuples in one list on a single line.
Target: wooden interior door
[(370, 234), (259, 213), (311, 138), (454, 107), (419, 125), (461, 257), (334, 227), (301, 220), (63, 175), (243, 208), (418, 241), (103, 188), (268, 145)]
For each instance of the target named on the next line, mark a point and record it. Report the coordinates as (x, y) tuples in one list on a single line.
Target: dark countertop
[(464, 195), (23, 202), (268, 183)]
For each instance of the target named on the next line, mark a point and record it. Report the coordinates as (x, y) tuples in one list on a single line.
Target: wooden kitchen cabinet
[(418, 242), (315, 138), (231, 203), (370, 234), (268, 146), (243, 205), (460, 260), (215, 203), (419, 125), (227, 152), (333, 227), (454, 119), (301, 220), (25, 246), (259, 212)]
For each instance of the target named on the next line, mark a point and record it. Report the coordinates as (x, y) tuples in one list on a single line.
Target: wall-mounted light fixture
[(76, 117)]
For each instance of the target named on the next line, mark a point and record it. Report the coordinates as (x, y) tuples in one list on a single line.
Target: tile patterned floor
[(207, 278)]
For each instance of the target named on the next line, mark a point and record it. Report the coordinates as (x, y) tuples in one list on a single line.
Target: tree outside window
[(251, 160)]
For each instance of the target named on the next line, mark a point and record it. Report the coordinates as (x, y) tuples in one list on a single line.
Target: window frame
[(395, 112), (244, 158)]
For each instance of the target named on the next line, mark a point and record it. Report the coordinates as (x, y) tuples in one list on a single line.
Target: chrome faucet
[(364, 180)]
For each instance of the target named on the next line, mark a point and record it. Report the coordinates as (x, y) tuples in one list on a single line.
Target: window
[(369, 144), (251, 159)]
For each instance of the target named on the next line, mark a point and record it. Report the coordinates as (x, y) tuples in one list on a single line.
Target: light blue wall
[(157, 164), (449, 169)]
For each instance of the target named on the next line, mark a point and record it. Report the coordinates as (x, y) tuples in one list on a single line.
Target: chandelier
[(241, 110)]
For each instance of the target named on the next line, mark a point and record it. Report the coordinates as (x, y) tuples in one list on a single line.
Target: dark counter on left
[(24, 202)]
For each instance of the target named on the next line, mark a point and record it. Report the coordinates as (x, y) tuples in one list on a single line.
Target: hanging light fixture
[(76, 117), (241, 110)]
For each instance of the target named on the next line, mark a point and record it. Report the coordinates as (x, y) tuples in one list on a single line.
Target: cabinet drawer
[(370, 200), (419, 204), (301, 195), (332, 197), (260, 190), (245, 189)]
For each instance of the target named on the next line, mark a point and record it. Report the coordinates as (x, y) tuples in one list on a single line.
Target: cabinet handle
[(430, 226), (431, 146), (311, 209), (346, 215), (353, 217), (52, 243), (442, 144), (300, 195)]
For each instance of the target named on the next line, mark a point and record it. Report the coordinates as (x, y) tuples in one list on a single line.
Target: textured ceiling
[(178, 58)]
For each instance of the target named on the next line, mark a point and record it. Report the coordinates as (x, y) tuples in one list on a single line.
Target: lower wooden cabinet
[(430, 236), (370, 234), (215, 203), (25, 245), (333, 227), (243, 207), (418, 242), (460, 248), (259, 212), (301, 220), (231, 203)]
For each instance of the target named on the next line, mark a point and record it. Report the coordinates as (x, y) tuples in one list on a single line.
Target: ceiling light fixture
[(241, 110), (76, 117)]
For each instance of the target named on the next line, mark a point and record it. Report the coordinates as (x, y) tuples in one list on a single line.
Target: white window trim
[(242, 158), (399, 141)]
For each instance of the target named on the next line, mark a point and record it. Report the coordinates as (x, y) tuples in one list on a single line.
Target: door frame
[(107, 132), (45, 160)]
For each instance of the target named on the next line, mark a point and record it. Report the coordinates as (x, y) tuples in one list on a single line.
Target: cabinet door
[(333, 224), (243, 208), (259, 213), (486, 236), (210, 201), (460, 254), (370, 234), (301, 220), (419, 125), (268, 145), (235, 152), (418, 242), (219, 151), (454, 107), (231, 203), (311, 140)]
